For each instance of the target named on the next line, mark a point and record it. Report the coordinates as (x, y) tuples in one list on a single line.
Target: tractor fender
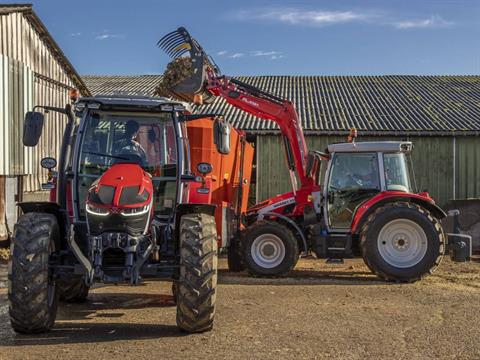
[(364, 210), (292, 225), (189, 208), (49, 208)]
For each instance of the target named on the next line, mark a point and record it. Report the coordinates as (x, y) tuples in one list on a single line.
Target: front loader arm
[(205, 80), (268, 107)]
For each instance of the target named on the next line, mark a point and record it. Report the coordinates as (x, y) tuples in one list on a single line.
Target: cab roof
[(372, 146), (129, 101)]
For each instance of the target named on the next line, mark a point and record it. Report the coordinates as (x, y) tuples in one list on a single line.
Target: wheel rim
[(402, 243), (268, 251)]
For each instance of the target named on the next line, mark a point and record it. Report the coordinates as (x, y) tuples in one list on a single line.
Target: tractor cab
[(153, 139), (359, 171)]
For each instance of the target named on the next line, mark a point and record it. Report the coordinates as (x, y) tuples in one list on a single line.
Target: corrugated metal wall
[(432, 157), (50, 94), (16, 97), (19, 41)]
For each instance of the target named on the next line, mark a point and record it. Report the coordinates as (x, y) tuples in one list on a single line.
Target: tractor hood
[(120, 200)]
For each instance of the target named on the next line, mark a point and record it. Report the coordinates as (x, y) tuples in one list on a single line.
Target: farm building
[(33, 71), (440, 114)]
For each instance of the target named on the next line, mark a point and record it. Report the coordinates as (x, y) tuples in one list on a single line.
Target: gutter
[(423, 133)]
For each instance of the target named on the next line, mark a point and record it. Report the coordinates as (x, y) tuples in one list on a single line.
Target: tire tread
[(374, 267), (29, 274), (196, 287)]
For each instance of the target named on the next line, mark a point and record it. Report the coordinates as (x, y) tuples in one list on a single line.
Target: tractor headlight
[(136, 211), (97, 210)]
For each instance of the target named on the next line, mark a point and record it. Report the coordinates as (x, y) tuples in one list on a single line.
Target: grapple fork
[(179, 45)]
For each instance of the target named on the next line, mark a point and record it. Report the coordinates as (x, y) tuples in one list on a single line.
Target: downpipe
[(84, 262)]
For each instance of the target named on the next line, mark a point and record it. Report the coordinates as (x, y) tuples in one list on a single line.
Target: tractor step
[(334, 261), (333, 247)]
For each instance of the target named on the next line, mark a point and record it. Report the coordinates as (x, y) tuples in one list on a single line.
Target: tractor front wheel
[(32, 290), (196, 287), (270, 249), (73, 290), (402, 242)]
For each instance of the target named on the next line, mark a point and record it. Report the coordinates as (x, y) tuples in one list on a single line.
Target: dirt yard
[(320, 311)]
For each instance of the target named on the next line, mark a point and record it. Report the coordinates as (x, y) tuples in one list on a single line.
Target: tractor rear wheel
[(402, 242), (235, 258), (73, 290), (270, 249), (196, 287), (32, 290)]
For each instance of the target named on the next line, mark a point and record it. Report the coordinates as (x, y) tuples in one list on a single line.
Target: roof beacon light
[(73, 94), (352, 135)]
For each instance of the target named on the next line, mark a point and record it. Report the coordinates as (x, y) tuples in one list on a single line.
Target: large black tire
[(265, 237), (32, 292), (73, 290), (235, 257), (196, 286), (391, 262)]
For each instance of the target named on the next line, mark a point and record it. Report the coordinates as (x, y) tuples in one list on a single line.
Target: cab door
[(353, 179)]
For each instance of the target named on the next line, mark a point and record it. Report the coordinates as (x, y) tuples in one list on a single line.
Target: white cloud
[(431, 22), (75, 34), (265, 53), (306, 17), (108, 36), (272, 55), (319, 18), (105, 34)]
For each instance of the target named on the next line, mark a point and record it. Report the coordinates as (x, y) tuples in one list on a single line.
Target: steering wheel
[(131, 157)]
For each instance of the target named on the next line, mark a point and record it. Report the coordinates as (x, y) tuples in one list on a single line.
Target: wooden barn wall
[(432, 158), (19, 41), (468, 167)]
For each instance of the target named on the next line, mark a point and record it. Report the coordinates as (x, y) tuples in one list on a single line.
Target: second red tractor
[(353, 199)]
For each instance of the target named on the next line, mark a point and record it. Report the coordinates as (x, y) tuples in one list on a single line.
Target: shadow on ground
[(325, 276), (76, 322), (83, 332), (116, 302)]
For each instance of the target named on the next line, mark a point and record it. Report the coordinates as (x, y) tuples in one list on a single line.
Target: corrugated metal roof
[(394, 104)]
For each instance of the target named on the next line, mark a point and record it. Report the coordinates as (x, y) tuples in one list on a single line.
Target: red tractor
[(356, 198), (132, 199)]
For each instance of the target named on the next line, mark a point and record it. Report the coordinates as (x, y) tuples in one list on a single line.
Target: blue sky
[(272, 37)]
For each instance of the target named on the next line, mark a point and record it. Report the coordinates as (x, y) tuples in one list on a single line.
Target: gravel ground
[(320, 311)]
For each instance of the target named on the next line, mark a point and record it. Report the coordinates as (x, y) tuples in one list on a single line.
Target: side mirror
[(221, 136), (32, 128)]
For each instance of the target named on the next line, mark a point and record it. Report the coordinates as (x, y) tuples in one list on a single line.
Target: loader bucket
[(186, 75)]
